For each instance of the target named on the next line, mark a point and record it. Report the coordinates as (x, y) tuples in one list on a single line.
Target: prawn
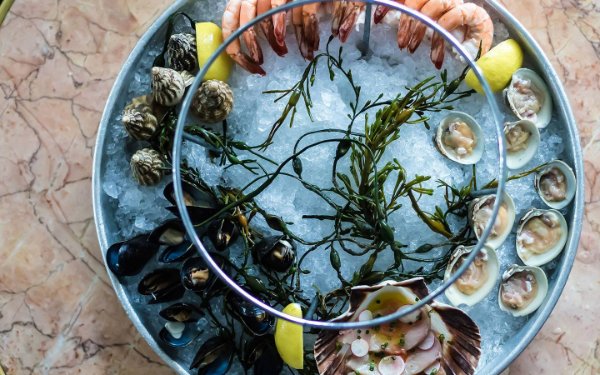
[(268, 29), (298, 23), (433, 9), (247, 14), (381, 11), (310, 26), (345, 14), (470, 24), (279, 21), (230, 23), (407, 21)]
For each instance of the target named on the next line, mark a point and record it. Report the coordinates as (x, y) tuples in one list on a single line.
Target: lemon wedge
[(498, 66), (208, 38), (289, 338)]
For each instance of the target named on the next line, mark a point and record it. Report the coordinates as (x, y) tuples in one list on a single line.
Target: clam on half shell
[(460, 138), (437, 338), (523, 139), (523, 289), (477, 281), (529, 98), (556, 184), (480, 212), (541, 236)]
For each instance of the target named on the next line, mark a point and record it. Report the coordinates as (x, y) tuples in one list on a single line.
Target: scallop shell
[(457, 333), (533, 259), (476, 205), (454, 295), (139, 119), (518, 159), (544, 115), (570, 180), (168, 86), (147, 167), (542, 281), (213, 101), (182, 53), (453, 116)]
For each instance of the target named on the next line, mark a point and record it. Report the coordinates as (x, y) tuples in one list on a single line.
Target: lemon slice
[(498, 66), (289, 338), (208, 38)]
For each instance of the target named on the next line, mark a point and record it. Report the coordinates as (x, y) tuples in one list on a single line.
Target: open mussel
[(276, 253), (172, 235), (197, 276), (163, 284), (181, 312), (255, 319), (200, 202), (214, 356), (222, 233), (128, 258), (177, 334), (261, 354)]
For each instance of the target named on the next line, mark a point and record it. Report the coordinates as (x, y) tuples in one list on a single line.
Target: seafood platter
[(338, 187)]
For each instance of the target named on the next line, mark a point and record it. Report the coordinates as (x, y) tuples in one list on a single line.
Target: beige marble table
[(58, 312)]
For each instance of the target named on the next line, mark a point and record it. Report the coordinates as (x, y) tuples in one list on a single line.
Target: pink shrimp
[(381, 11), (279, 21), (345, 14), (267, 27), (298, 23), (247, 14), (433, 9), (407, 21), (470, 24), (310, 26), (230, 23)]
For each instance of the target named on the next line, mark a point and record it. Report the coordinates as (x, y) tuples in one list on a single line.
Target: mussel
[(181, 312), (163, 285), (172, 235), (177, 334), (222, 233), (214, 356), (128, 258), (200, 202), (261, 354), (255, 319), (197, 276), (276, 253)]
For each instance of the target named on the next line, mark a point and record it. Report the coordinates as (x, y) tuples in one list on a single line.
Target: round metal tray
[(104, 210)]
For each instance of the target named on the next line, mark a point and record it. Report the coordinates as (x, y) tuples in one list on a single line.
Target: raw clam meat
[(477, 281), (523, 140), (556, 184), (459, 138), (522, 290), (480, 213), (529, 97), (541, 236), (436, 337)]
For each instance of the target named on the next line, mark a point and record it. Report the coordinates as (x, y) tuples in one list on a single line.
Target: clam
[(523, 140), (556, 184), (541, 236), (213, 101), (477, 281), (147, 167), (181, 312), (181, 52), (128, 258), (214, 356), (480, 212), (529, 97), (172, 235), (177, 334), (523, 289), (163, 285), (168, 86), (139, 119), (276, 253), (459, 138), (438, 336), (200, 201), (255, 319)]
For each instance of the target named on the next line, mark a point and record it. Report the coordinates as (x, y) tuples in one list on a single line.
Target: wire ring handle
[(329, 325)]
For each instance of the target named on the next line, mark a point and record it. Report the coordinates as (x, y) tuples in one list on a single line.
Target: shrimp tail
[(437, 50), (404, 31), (380, 12), (349, 21), (247, 63), (254, 50), (268, 30), (310, 24)]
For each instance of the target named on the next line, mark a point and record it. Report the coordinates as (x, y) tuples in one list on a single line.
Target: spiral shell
[(168, 86), (213, 102), (147, 167), (181, 52), (139, 119)]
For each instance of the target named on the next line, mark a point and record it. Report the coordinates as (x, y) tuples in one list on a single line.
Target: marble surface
[(58, 312)]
